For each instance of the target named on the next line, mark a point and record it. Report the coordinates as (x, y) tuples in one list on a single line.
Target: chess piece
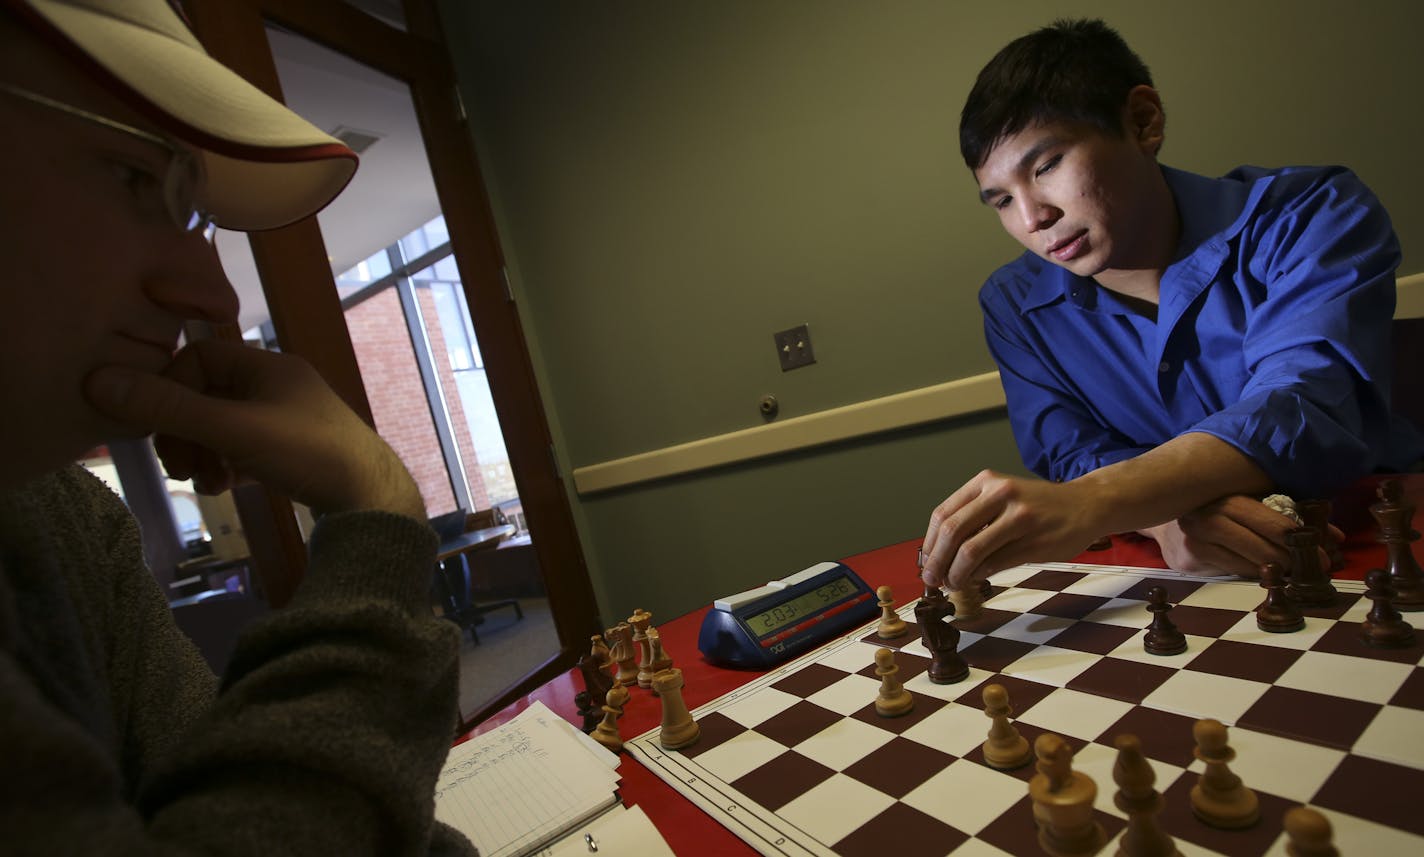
[(1315, 514), (678, 728), (941, 638), (1063, 801), (606, 733), (1219, 799), (968, 602), (1005, 748), (1309, 584), (1395, 516), (1383, 626), (640, 621), (891, 625), (1162, 637), (623, 653), (1282, 504), (1308, 833), (1135, 796), (893, 700), (1278, 614), (660, 658), (600, 651), (597, 682)]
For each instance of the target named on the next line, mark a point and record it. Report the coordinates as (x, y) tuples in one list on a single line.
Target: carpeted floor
[(508, 650)]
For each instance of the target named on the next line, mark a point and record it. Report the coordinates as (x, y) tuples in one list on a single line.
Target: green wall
[(675, 181)]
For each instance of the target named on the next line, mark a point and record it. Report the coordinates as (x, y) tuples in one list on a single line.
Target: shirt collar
[(1212, 212)]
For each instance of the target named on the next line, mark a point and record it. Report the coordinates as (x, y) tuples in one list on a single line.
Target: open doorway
[(415, 268)]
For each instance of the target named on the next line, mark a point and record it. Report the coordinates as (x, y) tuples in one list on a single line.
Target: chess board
[(797, 762)]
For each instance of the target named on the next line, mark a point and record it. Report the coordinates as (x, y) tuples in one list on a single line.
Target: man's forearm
[(1169, 481)]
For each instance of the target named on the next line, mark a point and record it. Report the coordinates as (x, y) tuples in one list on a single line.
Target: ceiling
[(392, 193)]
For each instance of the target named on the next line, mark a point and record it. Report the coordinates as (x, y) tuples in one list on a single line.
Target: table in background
[(473, 540), (690, 831)]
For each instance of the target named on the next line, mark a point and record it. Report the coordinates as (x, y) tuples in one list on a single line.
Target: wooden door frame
[(307, 314)]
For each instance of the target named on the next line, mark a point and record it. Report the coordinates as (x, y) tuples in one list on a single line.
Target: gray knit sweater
[(324, 737)]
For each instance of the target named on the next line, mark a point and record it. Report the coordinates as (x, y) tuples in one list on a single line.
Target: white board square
[(1198, 694), (1070, 712), (844, 743), (966, 796), (835, 807)]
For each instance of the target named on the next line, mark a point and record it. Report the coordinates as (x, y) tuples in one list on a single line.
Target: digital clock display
[(789, 612)]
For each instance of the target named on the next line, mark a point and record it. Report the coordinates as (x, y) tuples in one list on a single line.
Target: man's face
[(1073, 195), (96, 273)]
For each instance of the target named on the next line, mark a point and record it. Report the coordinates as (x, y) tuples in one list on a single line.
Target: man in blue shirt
[(1172, 347)]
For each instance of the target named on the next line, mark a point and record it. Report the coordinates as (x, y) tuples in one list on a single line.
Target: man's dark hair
[(1074, 70)]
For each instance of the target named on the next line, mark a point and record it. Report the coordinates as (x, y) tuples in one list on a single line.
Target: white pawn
[(968, 603), (1005, 748), (893, 699), (1309, 833), (1219, 798), (661, 660), (891, 625), (606, 733)]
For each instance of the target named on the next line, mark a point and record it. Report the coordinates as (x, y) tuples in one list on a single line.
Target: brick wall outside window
[(397, 396)]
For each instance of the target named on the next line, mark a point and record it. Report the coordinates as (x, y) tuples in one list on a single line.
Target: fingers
[(222, 411), (156, 404), (951, 524)]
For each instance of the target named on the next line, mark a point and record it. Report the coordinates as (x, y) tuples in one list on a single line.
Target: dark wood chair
[(1407, 394)]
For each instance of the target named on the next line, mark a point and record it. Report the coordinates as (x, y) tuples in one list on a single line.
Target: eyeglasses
[(182, 182)]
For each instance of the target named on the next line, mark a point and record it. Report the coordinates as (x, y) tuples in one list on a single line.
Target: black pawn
[(1163, 638), (1278, 613), (941, 638), (1309, 584), (1384, 627)]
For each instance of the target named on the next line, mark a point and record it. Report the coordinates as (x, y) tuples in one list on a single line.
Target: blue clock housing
[(762, 627)]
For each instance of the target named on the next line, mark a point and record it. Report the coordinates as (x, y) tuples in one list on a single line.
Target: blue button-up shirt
[(1272, 334)]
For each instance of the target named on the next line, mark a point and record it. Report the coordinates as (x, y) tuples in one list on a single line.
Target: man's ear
[(1144, 120)]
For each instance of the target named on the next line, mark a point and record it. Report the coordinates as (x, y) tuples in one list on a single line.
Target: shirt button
[(1164, 366)]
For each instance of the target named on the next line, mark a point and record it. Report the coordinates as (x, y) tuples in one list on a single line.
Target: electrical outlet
[(793, 348)]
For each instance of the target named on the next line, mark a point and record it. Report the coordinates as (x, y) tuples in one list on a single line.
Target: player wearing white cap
[(123, 143)]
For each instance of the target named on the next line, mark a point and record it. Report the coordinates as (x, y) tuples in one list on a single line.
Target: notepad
[(525, 784)]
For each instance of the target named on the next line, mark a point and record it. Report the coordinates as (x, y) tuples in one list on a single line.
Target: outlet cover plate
[(793, 348)]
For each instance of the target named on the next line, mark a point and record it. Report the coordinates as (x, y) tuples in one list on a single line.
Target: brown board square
[(903, 831), (1331, 721), (774, 784), (1344, 638), (797, 723), (1067, 605), (1377, 791), (924, 707), (1093, 637), (1116, 678), (1243, 660), (993, 654), (899, 767), (716, 729), (1053, 581)]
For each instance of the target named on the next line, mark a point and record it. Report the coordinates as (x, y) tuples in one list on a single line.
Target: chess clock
[(762, 627)]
